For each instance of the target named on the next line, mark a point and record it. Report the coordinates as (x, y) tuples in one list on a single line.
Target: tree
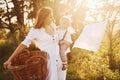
[(19, 10)]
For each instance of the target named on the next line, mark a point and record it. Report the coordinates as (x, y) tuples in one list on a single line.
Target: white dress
[(48, 43), (61, 32)]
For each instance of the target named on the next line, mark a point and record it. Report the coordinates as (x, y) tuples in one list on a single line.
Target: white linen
[(91, 36)]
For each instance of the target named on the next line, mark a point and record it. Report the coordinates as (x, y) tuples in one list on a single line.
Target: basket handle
[(26, 50), (10, 67)]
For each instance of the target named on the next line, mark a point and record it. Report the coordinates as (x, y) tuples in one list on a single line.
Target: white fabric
[(61, 73), (48, 43), (71, 30), (61, 33), (91, 36)]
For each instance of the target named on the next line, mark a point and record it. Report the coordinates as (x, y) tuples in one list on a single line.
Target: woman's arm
[(65, 43), (18, 50)]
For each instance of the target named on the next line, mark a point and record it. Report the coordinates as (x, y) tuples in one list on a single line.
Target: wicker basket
[(30, 66)]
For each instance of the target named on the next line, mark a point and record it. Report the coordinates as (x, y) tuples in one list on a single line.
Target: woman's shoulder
[(36, 30)]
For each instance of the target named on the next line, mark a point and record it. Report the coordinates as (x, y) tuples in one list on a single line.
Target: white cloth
[(91, 36), (71, 30), (61, 33), (61, 73), (48, 43)]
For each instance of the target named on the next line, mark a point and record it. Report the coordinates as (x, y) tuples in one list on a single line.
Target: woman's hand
[(6, 64)]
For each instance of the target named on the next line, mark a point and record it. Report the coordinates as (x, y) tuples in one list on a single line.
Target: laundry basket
[(30, 65)]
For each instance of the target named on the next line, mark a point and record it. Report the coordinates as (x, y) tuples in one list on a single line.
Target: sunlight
[(10, 5), (90, 3), (14, 19), (77, 4), (92, 6)]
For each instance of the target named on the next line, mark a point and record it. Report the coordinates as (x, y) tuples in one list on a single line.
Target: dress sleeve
[(30, 36)]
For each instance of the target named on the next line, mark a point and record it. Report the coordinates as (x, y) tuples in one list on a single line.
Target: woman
[(45, 37)]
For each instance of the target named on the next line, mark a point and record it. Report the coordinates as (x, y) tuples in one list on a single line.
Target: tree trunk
[(18, 11)]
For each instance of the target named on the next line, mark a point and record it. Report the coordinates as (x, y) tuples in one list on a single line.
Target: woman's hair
[(42, 14)]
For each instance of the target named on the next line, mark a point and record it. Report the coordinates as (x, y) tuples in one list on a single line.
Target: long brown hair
[(42, 14)]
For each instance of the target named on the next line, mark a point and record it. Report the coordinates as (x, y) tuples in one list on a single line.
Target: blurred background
[(17, 17)]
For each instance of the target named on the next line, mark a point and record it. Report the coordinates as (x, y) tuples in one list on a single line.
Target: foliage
[(86, 65), (6, 48), (83, 64)]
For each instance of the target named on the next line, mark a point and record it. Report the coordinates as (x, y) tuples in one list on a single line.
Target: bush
[(86, 65), (6, 49)]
